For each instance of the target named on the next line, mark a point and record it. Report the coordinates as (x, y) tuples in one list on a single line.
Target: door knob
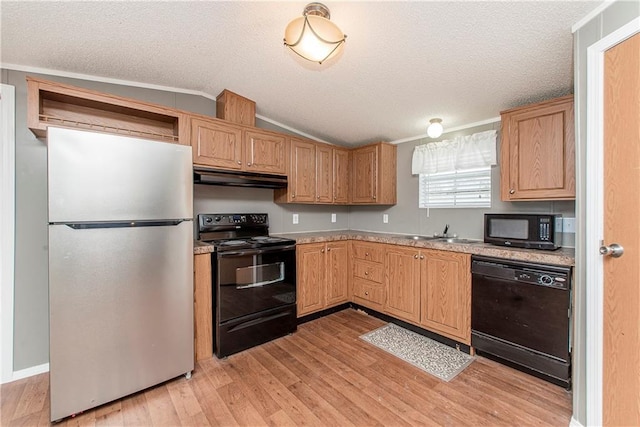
[(614, 250)]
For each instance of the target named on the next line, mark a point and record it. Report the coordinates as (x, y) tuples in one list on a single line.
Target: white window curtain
[(461, 153)]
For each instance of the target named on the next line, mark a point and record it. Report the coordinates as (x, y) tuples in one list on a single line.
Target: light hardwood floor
[(322, 375)]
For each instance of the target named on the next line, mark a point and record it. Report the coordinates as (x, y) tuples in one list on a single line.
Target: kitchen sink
[(457, 240), (425, 237)]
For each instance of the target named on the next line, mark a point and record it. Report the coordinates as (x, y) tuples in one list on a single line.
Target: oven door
[(254, 280)]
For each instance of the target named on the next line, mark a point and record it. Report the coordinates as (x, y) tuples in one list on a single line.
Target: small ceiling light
[(313, 36), (435, 128)]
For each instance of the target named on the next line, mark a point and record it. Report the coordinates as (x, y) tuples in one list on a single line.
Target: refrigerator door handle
[(122, 224)]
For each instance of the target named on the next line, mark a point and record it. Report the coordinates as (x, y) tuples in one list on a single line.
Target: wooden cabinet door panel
[(302, 177), (324, 173), (364, 180), (311, 279), (216, 145), (340, 175), (265, 152), (538, 151), (337, 273), (402, 281), (446, 294)]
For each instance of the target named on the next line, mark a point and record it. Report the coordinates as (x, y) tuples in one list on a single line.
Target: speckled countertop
[(562, 256), (201, 247)]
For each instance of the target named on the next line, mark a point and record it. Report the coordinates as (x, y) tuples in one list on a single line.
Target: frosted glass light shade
[(314, 38), (435, 128)]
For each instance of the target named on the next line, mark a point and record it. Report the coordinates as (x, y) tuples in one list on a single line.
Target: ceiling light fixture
[(435, 128), (313, 36)]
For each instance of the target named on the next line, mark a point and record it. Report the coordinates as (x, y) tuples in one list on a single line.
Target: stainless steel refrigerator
[(120, 266)]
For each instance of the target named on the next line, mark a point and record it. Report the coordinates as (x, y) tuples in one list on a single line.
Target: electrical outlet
[(568, 225), (385, 218), (296, 218), (334, 218)]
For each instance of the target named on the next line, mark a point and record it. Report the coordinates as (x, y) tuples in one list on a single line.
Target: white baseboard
[(575, 423), (28, 372)]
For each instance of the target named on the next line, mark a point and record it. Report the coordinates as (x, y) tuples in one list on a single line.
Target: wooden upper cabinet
[(216, 144), (265, 152), (341, 161), (373, 174), (324, 173), (56, 104), (302, 176), (538, 151), (403, 273), (235, 108), (446, 294), (223, 145), (319, 173)]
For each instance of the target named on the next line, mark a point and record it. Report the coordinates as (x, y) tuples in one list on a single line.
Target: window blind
[(469, 188)]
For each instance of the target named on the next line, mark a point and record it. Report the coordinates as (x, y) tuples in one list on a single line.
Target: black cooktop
[(250, 242), (238, 231)]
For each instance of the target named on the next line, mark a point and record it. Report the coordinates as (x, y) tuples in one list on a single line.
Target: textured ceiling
[(403, 62)]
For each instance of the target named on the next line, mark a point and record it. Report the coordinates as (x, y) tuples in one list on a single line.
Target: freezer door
[(100, 177), (121, 311)]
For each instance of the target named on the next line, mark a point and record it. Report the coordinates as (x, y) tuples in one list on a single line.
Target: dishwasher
[(521, 315)]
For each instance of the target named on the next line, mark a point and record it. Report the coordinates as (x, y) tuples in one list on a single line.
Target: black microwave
[(531, 231)]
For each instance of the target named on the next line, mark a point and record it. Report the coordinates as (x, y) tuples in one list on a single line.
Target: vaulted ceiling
[(403, 62)]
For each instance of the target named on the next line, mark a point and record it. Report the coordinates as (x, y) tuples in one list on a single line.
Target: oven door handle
[(273, 249)]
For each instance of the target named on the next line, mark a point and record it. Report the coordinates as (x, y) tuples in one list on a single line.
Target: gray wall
[(609, 20), (406, 218)]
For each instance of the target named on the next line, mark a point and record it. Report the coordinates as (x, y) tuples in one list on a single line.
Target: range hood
[(202, 175)]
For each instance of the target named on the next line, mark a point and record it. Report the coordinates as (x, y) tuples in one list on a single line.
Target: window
[(469, 188)]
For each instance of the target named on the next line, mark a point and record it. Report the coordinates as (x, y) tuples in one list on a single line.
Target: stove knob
[(218, 219), (207, 219)]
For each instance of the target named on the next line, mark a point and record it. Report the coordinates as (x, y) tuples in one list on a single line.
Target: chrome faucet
[(446, 228)]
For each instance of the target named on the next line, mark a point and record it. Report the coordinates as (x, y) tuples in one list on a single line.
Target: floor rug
[(431, 356)]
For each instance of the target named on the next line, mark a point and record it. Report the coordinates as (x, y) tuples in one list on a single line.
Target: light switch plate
[(334, 218), (296, 218), (385, 218)]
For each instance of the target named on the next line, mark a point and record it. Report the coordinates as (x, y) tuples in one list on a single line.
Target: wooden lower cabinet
[(446, 294), (403, 273), (431, 289), (202, 307), (323, 276), (425, 287)]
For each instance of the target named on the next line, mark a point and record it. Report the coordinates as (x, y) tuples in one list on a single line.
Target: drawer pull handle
[(421, 256), (366, 273), (366, 254), (416, 256), (366, 293)]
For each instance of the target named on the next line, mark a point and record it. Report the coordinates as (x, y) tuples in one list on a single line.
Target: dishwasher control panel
[(524, 272)]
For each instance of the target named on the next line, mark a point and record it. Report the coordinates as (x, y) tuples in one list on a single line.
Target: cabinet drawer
[(368, 271), (369, 252), (368, 292)]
